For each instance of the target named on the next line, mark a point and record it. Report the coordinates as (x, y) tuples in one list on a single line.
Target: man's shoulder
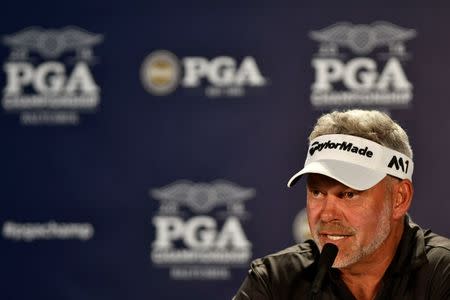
[(297, 257), (433, 277), (281, 275), (433, 240), (437, 246)]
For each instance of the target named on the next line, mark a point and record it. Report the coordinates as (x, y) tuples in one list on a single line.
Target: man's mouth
[(335, 237)]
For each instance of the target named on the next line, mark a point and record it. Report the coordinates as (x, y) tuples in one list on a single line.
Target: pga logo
[(375, 77), (49, 78), (359, 74), (200, 232), (162, 72), (221, 71)]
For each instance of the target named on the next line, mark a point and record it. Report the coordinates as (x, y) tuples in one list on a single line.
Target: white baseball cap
[(354, 161)]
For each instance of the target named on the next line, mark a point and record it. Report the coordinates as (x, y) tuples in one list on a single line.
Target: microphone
[(327, 257)]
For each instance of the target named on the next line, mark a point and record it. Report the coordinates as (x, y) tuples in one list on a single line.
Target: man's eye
[(348, 195), (316, 193)]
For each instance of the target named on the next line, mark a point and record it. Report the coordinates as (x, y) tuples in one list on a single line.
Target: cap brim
[(354, 176)]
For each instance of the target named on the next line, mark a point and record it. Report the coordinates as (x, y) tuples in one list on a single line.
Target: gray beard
[(357, 251)]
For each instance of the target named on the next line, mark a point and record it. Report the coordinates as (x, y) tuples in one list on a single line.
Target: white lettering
[(48, 78), (81, 80), (327, 71), (195, 68), (17, 76), (232, 235), (221, 72), (358, 74), (249, 73), (367, 71), (393, 75), (167, 230), (199, 233)]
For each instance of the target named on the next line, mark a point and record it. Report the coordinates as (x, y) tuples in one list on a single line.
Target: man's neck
[(364, 277)]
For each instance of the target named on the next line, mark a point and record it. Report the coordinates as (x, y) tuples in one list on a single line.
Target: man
[(359, 188)]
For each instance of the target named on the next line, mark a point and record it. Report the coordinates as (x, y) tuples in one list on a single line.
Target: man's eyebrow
[(313, 185)]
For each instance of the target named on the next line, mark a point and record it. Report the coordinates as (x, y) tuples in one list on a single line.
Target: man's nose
[(330, 210)]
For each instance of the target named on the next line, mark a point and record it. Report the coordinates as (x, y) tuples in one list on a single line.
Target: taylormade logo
[(344, 146)]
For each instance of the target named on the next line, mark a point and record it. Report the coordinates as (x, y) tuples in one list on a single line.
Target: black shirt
[(419, 270)]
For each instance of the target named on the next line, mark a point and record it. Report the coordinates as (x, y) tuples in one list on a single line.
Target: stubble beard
[(358, 252)]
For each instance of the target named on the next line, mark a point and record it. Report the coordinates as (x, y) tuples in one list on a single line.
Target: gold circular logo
[(160, 72)]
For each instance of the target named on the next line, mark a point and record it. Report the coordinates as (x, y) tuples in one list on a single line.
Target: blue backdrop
[(145, 151)]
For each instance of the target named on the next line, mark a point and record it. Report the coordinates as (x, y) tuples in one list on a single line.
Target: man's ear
[(402, 193)]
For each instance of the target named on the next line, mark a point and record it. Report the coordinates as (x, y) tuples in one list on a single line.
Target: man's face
[(358, 222)]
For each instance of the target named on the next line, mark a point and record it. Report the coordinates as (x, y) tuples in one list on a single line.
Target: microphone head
[(328, 255)]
